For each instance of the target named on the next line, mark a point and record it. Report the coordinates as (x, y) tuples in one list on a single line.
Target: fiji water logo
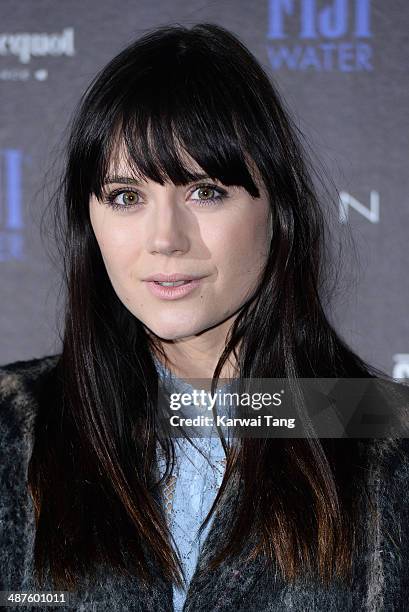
[(330, 36), (11, 212)]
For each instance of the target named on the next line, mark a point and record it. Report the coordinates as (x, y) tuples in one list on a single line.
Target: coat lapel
[(231, 583), (241, 585)]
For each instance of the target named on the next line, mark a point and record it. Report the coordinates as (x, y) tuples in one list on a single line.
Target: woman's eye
[(123, 199), (209, 194)]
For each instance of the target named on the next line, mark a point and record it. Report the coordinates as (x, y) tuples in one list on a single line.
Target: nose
[(167, 233)]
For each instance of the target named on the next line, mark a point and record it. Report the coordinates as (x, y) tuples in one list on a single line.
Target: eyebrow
[(127, 180)]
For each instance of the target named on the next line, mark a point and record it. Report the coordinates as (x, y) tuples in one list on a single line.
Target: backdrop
[(342, 67)]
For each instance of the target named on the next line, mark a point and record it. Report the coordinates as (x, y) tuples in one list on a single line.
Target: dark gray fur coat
[(381, 569)]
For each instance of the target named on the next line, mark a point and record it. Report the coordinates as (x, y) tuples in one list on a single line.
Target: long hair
[(92, 471)]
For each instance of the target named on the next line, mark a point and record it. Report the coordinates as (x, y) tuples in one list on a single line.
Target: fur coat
[(381, 569)]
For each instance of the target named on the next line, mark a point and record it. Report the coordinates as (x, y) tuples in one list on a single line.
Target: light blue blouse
[(197, 480)]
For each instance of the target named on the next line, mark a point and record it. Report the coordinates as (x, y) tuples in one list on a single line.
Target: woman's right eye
[(123, 199)]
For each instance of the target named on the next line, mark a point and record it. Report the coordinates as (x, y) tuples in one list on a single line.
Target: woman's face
[(189, 230)]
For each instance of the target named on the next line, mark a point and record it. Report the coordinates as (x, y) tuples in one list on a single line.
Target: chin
[(172, 332)]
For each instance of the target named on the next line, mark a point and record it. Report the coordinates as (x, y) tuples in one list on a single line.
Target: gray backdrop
[(342, 66)]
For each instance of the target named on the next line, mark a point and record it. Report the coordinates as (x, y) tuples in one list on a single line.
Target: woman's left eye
[(206, 199)]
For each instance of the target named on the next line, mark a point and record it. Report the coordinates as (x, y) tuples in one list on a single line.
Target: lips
[(172, 278), (172, 292)]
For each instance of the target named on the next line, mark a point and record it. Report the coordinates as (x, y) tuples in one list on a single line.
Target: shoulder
[(387, 525), (389, 456), (19, 385), (28, 369), (388, 472), (389, 453), (19, 376)]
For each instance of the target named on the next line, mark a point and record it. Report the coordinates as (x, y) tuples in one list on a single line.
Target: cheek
[(240, 246), (119, 247)]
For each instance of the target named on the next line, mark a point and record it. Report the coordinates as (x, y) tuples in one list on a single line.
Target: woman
[(183, 165)]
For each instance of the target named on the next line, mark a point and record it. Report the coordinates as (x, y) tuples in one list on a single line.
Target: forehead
[(135, 156), (120, 163)]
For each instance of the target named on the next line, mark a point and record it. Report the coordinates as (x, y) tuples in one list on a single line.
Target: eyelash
[(209, 202)]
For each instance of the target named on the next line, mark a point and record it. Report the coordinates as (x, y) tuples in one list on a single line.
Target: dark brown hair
[(92, 472)]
